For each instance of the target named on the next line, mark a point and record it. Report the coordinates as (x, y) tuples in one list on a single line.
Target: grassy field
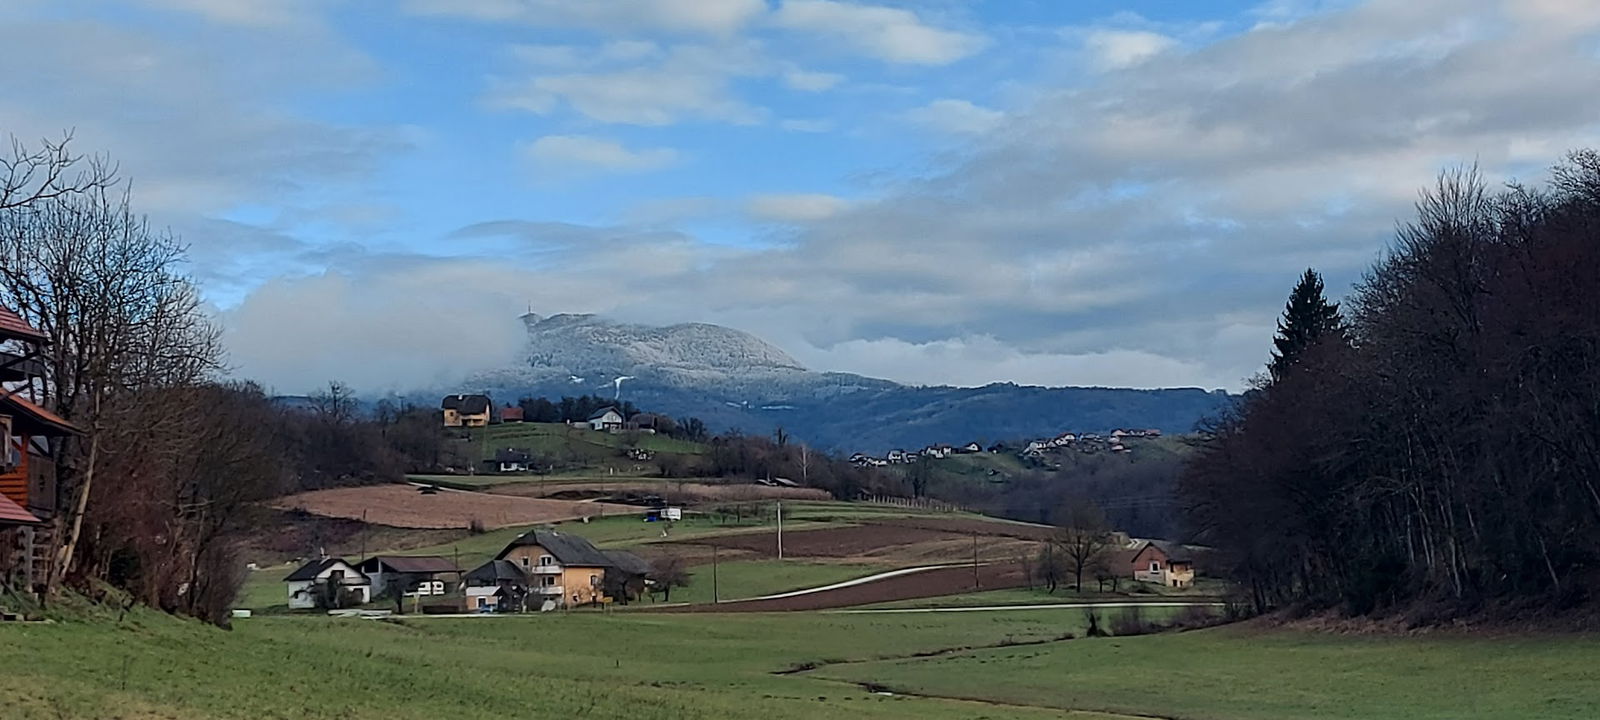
[(559, 440), (752, 578), (1242, 674), (147, 665), (620, 664)]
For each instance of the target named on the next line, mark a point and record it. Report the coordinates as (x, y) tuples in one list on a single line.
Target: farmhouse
[(1158, 562), (565, 569), (489, 599), (606, 418), (330, 583), (648, 423), (512, 414), (421, 575), (511, 460), (27, 467), (466, 410)]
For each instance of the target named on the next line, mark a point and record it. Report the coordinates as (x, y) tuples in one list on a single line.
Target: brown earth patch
[(971, 526), (404, 506), (671, 491)]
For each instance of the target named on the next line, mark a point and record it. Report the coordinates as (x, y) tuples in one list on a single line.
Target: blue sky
[(947, 191)]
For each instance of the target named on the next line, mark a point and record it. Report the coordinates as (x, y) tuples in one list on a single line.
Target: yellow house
[(566, 569), (466, 410)]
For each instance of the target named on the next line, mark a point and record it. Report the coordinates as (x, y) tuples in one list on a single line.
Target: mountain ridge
[(734, 380)]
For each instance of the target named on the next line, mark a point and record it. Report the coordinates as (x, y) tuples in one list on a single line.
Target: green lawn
[(1240, 674), (751, 578), (614, 665)]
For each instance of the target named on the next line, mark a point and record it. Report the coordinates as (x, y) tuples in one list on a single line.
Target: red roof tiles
[(13, 514), (13, 327), (32, 419)]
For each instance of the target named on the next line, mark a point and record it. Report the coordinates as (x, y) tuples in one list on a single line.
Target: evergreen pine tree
[(1307, 317)]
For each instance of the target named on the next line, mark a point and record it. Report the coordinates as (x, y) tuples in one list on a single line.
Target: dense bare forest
[(1435, 446)]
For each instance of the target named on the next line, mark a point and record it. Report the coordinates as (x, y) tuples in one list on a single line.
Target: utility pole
[(714, 597), (780, 529)]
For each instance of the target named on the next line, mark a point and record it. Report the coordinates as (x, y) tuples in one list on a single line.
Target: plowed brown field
[(403, 506)]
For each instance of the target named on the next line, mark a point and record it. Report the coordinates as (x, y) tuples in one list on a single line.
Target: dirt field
[(403, 506), (829, 542), (969, 526), (947, 581), (671, 491)]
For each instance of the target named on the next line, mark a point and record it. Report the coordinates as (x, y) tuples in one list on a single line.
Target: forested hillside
[(1435, 445)]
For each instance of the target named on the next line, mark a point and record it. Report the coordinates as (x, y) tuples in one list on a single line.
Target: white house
[(897, 456), (606, 419), (314, 577)]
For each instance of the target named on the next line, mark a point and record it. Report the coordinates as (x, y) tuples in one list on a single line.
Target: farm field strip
[(1087, 605)]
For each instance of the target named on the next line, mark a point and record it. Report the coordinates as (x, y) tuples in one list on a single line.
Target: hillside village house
[(329, 582), (422, 575), (564, 569), (512, 414), (1158, 562), (607, 418), (511, 460), (467, 410), (27, 468)]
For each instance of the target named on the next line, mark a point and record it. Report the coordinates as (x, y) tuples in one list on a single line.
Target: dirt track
[(944, 581)]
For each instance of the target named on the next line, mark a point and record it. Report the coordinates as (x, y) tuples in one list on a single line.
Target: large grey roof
[(495, 571), (410, 564), (466, 404), (566, 549), (628, 562)]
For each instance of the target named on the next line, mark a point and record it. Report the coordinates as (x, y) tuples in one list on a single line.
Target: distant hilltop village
[(1114, 441)]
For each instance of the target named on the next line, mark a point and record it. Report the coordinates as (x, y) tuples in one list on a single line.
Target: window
[(524, 562), (483, 602), (438, 587), (547, 580), (1155, 566), (594, 581), (546, 560)]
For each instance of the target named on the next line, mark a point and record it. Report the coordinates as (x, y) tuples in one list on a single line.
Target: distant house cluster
[(539, 570), (1115, 441), (464, 410), (901, 457)]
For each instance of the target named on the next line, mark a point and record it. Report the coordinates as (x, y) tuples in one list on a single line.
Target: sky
[(958, 192)]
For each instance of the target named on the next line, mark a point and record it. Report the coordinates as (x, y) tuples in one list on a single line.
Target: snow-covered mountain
[(732, 379)]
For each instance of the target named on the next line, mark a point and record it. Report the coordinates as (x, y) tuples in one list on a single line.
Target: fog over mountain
[(735, 380)]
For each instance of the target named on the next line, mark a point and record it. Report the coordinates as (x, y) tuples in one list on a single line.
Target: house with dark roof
[(565, 569), (329, 582), (629, 576), (510, 460), (606, 418), (1156, 561), (421, 575), (467, 410)]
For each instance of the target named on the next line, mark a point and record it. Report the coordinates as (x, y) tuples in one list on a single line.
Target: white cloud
[(794, 207), (689, 82), (957, 117), (890, 34), (715, 17), (808, 81), (581, 154), (1119, 49), (981, 359)]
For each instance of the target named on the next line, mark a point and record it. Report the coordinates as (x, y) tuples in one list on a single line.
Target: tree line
[(1432, 447)]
